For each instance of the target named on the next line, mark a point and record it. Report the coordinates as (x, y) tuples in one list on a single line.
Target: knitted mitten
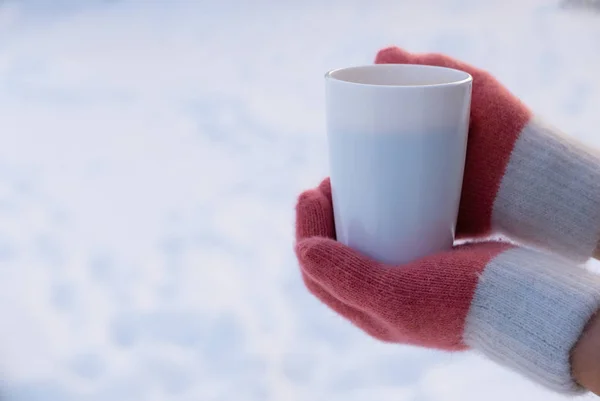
[(522, 178), (521, 308)]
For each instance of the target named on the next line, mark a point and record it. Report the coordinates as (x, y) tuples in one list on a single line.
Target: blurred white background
[(150, 156)]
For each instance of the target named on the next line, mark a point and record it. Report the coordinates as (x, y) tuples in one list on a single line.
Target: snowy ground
[(150, 154)]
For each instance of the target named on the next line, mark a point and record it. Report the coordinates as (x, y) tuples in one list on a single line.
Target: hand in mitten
[(522, 178), (521, 308)]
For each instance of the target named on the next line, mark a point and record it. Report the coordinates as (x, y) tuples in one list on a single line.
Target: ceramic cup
[(397, 136)]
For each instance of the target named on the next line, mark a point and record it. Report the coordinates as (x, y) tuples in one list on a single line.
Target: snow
[(150, 156)]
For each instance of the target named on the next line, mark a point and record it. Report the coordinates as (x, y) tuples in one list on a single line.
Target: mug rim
[(466, 77)]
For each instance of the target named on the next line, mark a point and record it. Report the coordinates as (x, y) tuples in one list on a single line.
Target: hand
[(522, 178), (523, 309), (497, 118), (423, 303)]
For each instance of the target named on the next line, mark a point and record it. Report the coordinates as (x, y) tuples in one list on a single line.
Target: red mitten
[(521, 308), (522, 178)]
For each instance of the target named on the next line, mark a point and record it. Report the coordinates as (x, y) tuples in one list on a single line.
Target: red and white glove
[(522, 178), (521, 308)]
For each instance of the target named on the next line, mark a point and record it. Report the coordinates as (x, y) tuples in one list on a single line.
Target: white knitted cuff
[(528, 311), (550, 193)]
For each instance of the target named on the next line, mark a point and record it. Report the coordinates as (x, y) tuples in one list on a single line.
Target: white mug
[(397, 137)]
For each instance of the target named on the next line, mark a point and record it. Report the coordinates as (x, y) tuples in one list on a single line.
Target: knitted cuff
[(528, 311), (550, 193)]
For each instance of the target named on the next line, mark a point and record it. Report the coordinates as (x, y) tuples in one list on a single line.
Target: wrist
[(597, 251), (585, 356), (528, 313)]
